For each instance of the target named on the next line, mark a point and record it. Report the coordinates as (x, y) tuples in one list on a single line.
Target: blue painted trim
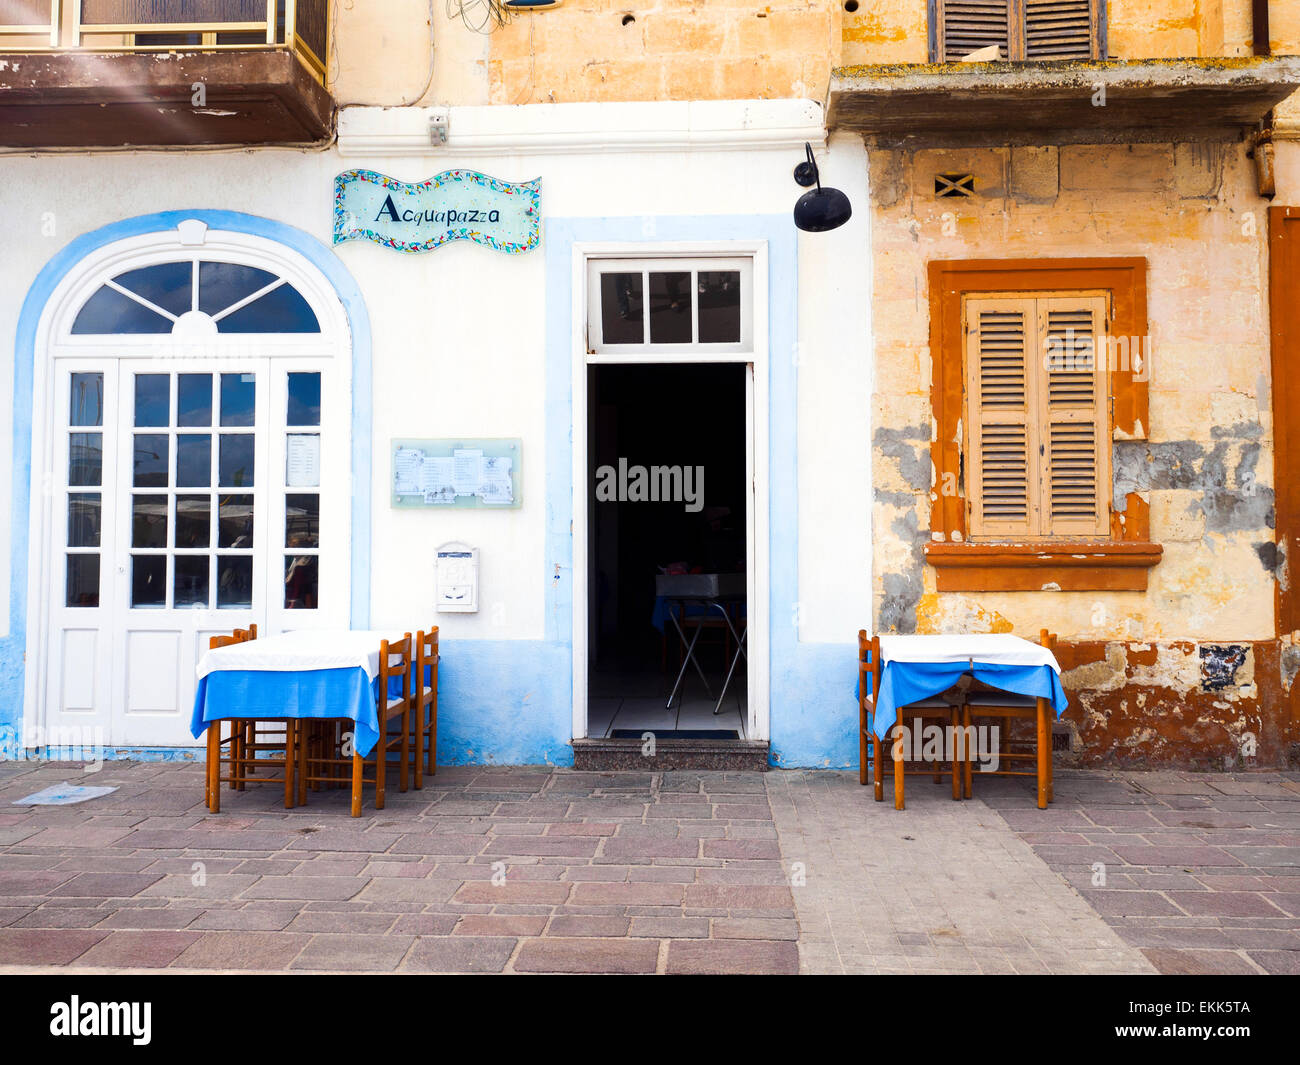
[(812, 719), (13, 647)]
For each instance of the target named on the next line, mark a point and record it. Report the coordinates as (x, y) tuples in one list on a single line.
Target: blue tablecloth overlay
[(665, 608), (313, 693), (908, 682)]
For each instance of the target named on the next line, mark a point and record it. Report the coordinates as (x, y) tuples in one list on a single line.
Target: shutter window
[(968, 25), (1001, 336), (1037, 412), (1022, 29), (1073, 413), (1058, 29)]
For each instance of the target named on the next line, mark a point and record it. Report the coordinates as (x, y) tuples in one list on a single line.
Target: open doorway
[(667, 499)]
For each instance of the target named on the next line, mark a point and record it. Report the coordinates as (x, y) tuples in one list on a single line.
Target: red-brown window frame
[(1120, 563)]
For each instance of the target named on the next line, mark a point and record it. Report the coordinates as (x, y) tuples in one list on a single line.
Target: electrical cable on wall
[(481, 16)]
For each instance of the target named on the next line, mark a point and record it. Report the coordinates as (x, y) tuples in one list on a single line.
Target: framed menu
[(456, 473)]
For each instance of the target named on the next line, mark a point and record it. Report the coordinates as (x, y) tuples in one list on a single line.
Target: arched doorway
[(191, 437)]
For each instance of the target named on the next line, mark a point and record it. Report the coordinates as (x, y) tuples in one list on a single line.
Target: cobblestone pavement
[(641, 872)]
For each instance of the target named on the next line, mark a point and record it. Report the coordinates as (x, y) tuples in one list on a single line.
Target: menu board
[(456, 473)]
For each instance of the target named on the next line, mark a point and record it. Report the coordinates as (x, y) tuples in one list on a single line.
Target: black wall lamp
[(820, 209)]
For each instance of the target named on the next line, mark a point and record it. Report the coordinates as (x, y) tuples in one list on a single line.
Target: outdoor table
[(322, 673), (918, 667)]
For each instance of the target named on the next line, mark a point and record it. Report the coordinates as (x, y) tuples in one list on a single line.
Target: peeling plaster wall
[(1208, 705), (1136, 663)]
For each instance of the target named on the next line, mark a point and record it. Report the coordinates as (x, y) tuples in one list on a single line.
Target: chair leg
[(306, 737), (1044, 753), (417, 754), (966, 769), (862, 744), (404, 765), (899, 773), (957, 759), (357, 763), (381, 767), (214, 767), (290, 743), (877, 769)]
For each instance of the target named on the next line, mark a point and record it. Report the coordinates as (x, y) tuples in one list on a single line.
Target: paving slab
[(500, 869)]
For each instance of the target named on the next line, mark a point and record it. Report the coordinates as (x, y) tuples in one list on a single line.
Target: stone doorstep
[(614, 755)]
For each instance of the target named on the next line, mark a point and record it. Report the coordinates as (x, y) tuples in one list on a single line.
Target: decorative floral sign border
[(531, 189)]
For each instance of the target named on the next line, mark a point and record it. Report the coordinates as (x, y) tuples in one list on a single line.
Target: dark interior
[(660, 415)]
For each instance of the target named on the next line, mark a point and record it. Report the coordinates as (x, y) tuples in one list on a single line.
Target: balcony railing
[(298, 26)]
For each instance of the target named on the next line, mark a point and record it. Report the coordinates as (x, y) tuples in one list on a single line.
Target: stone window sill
[(1119, 566)]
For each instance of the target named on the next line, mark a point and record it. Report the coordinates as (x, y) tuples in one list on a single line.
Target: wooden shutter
[(1002, 411), (967, 25), (1060, 29), (1022, 29), (1074, 416), (1038, 417)]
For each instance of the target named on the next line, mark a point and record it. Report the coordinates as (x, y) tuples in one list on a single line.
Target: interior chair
[(935, 709), (986, 704), (329, 750), (253, 752), (424, 698)]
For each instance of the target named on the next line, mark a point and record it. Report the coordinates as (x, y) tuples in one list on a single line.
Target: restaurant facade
[(305, 379)]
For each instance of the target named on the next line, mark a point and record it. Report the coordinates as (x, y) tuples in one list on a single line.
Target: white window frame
[(57, 346), (694, 351), (757, 531)]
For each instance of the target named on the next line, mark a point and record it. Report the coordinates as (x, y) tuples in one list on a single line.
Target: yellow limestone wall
[(596, 50), (1192, 211)]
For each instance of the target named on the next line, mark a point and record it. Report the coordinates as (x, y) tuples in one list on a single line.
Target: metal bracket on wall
[(438, 129)]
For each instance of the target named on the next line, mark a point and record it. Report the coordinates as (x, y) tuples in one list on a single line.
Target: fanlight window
[(233, 297)]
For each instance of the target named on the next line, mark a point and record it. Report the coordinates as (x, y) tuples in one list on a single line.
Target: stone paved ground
[(663, 872)]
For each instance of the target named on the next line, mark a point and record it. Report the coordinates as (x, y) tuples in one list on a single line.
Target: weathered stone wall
[(894, 31), (667, 50), (1204, 470)]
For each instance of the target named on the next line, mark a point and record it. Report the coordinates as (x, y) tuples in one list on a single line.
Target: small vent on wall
[(954, 184), (1060, 741)]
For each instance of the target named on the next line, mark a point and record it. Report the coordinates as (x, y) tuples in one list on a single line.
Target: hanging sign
[(453, 205)]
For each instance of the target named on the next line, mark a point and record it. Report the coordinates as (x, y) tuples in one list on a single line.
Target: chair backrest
[(223, 641), (395, 661), (868, 665), (1047, 639)]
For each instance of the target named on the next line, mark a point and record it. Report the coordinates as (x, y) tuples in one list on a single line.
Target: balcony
[(160, 73), (1082, 102)]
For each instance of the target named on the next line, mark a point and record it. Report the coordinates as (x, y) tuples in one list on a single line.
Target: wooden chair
[(1008, 707), (325, 754), (932, 709), (424, 696), (248, 747)]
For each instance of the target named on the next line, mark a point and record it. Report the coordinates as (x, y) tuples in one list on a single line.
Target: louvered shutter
[(1060, 29), (1002, 411), (968, 25), (1074, 416)]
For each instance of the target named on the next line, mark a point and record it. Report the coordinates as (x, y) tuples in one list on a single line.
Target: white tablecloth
[(995, 648), (300, 651)]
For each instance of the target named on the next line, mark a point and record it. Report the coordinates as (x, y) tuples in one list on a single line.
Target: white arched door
[(197, 464)]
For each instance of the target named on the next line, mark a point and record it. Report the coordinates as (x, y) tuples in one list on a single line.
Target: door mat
[(676, 733)]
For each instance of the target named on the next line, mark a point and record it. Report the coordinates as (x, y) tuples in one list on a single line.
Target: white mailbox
[(457, 579)]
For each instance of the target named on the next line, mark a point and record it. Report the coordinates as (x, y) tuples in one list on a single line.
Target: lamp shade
[(822, 209)]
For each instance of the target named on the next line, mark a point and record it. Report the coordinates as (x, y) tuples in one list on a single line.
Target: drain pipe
[(1261, 139)]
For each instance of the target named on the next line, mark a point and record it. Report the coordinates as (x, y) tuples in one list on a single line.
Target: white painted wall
[(459, 333)]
